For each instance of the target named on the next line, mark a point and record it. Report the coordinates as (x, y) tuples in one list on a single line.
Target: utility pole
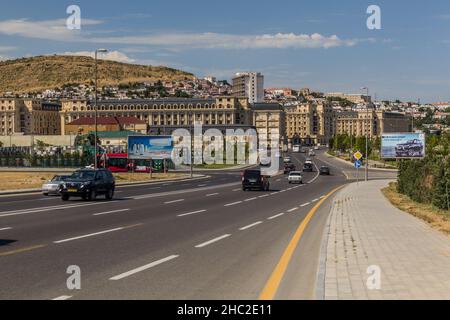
[(95, 106), (367, 132)]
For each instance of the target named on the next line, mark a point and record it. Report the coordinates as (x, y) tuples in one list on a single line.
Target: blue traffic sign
[(358, 164)]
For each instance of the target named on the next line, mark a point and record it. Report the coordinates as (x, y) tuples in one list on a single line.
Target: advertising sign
[(403, 146), (150, 147)]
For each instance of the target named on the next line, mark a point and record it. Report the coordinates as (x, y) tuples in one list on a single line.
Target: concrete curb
[(322, 269), (120, 185)]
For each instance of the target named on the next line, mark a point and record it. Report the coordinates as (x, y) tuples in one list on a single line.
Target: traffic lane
[(29, 227), (300, 279), (140, 241), (236, 267), (29, 201)]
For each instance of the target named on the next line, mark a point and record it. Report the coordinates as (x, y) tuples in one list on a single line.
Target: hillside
[(49, 72)]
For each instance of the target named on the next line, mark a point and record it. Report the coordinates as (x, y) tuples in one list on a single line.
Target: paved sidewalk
[(364, 230)]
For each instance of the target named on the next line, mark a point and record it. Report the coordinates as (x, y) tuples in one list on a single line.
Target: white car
[(296, 149), (312, 154), (295, 177), (316, 148), (287, 159)]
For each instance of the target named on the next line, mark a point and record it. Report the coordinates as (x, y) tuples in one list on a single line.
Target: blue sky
[(324, 45)]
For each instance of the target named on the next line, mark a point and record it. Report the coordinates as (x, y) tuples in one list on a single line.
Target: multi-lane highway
[(200, 239)]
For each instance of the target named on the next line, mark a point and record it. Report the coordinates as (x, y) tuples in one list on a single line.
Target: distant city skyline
[(324, 45)]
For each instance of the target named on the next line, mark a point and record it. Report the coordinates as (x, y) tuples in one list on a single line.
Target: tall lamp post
[(367, 133), (95, 105)]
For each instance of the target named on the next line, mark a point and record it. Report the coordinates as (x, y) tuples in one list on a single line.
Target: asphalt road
[(201, 239)]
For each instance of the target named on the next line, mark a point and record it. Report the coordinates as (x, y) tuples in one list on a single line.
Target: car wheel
[(65, 197), (109, 194)]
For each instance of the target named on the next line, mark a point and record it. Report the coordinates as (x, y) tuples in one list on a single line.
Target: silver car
[(295, 177), (53, 187)]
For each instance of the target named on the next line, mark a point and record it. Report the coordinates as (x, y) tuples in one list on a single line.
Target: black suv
[(88, 183), (253, 179), (411, 148)]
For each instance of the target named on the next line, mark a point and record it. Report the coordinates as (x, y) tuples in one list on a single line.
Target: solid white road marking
[(276, 216), (174, 201), (322, 197), (263, 196), (234, 190), (251, 199), (233, 204), (108, 212), (292, 210), (143, 268), (191, 213), (202, 185), (62, 298), (88, 235), (305, 204), (212, 241), (250, 226), (315, 200), (4, 229)]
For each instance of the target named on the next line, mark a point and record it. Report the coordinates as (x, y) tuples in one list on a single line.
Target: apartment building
[(164, 113), (270, 122), (249, 85), (310, 123), (29, 116), (373, 122)]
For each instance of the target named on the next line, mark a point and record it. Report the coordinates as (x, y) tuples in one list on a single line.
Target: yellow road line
[(275, 279), (9, 253)]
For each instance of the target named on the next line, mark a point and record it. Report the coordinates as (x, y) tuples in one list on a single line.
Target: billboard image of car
[(150, 147), (403, 146)]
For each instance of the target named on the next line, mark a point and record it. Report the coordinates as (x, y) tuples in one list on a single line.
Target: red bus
[(119, 162)]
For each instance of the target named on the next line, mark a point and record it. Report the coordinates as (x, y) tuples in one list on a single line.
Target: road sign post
[(358, 165)]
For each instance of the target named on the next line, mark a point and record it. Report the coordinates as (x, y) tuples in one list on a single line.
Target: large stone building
[(164, 113), (354, 98), (310, 123), (249, 85), (29, 116), (375, 123), (269, 119)]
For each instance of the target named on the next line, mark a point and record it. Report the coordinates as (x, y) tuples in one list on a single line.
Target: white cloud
[(56, 30), (112, 55), (230, 41), (46, 29)]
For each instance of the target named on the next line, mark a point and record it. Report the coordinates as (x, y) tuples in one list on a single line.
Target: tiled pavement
[(365, 230)]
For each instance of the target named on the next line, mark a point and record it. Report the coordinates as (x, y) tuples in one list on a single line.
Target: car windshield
[(295, 174), (83, 175)]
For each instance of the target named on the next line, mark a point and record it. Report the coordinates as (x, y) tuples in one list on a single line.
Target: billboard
[(150, 147), (403, 145)]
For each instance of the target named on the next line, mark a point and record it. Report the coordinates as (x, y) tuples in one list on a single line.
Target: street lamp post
[(95, 105), (367, 133)]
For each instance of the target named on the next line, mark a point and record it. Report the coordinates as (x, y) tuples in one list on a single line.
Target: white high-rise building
[(250, 85)]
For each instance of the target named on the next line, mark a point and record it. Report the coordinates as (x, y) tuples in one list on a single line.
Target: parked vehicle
[(88, 184), (53, 187), (295, 177), (325, 171), (254, 179)]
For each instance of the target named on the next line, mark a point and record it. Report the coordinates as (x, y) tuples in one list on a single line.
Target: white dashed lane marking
[(202, 245), (251, 226)]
